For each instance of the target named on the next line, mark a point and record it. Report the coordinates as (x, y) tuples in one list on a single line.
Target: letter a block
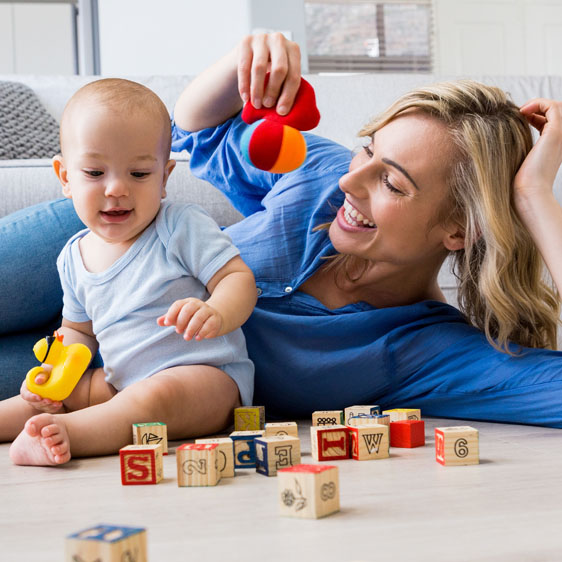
[(197, 464), (141, 464), (107, 543), (456, 446), (309, 490), (369, 442), (407, 433), (151, 434), (353, 411), (281, 428), (329, 443), (251, 418), (327, 417), (245, 448), (274, 453), (225, 454)]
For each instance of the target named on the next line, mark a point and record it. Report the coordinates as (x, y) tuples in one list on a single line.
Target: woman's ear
[(62, 174), (454, 238)]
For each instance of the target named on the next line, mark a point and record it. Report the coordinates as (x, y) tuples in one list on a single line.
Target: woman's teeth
[(354, 218)]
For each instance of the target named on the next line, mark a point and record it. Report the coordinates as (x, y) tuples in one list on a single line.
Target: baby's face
[(116, 171)]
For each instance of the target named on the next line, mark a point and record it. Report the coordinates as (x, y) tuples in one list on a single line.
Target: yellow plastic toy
[(68, 361)]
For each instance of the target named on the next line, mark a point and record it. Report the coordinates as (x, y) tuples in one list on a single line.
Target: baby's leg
[(191, 400)]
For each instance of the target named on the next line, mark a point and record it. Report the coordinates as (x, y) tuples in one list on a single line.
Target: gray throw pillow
[(27, 129)]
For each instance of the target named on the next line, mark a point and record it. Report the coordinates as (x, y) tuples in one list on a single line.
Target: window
[(369, 36)]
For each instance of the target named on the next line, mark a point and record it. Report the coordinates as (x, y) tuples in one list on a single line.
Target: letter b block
[(245, 448), (273, 453), (198, 464), (141, 464), (329, 442), (456, 446)]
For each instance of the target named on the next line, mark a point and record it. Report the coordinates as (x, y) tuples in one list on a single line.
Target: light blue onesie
[(174, 258)]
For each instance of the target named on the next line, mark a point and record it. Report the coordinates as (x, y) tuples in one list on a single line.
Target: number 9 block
[(455, 446)]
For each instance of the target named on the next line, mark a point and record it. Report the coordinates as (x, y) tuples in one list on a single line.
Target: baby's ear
[(62, 174), (168, 168)]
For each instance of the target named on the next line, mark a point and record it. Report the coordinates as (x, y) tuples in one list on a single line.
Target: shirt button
[(288, 289), (259, 292)]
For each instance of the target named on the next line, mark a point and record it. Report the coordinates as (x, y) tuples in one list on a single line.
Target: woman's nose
[(354, 182)]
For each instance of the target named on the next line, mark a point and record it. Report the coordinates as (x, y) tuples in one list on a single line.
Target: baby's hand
[(193, 318), (42, 404)]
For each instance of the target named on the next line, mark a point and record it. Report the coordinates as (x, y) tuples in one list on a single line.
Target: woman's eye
[(139, 174), (368, 151), (390, 187)]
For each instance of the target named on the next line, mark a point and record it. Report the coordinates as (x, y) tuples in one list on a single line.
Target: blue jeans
[(30, 291)]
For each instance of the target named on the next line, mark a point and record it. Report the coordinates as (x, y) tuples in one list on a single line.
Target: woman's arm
[(533, 195), (218, 93)]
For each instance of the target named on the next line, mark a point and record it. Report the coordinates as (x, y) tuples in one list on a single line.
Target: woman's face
[(393, 191)]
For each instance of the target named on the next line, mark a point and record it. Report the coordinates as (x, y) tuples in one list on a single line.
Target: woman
[(346, 250)]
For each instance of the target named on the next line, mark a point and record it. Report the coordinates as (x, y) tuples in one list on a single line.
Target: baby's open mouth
[(354, 218)]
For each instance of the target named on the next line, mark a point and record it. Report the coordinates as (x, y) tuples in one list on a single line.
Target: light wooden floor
[(407, 507)]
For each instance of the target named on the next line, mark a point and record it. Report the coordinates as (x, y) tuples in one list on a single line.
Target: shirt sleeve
[(196, 242), (216, 157), (73, 310)]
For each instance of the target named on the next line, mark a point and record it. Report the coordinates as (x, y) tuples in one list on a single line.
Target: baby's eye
[(140, 174), (94, 173)]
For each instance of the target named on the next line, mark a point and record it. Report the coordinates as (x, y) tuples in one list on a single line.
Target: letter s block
[(141, 464), (456, 446), (329, 442)]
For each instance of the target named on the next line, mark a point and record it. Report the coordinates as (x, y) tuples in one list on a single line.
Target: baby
[(157, 286)]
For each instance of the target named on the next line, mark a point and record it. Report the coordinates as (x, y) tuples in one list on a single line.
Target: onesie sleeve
[(195, 241), (216, 157), (72, 309)]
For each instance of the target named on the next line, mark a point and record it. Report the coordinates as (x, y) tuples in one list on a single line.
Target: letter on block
[(245, 448), (141, 464), (456, 445), (281, 428), (250, 418), (309, 490), (399, 414), (407, 433), (274, 453), (225, 454), (107, 543), (353, 411), (327, 417), (197, 464), (369, 442), (151, 434), (329, 443), (361, 420)]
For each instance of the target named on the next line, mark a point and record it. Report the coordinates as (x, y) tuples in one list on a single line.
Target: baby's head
[(114, 161)]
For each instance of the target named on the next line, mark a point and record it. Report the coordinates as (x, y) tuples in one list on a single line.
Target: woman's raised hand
[(273, 53)]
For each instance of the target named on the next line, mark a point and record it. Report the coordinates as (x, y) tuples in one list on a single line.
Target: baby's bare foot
[(43, 442)]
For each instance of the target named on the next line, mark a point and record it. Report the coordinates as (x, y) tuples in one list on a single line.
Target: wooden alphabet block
[(155, 433), (399, 414), (358, 421), (245, 448), (369, 442), (274, 453), (141, 464), (225, 454), (329, 442), (327, 417), (353, 411), (407, 433), (198, 464), (107, 543), (456, 446), (281, 428), (309, 490), (250, 418)]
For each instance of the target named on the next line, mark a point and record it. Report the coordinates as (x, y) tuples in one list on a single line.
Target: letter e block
[(250, 418), (327, 417), (245, 448), (274, 453), (456, 446), (225, 454), (369, 442), (329, 442), (281, 428), (407, 433), (141, 464), (309, 490), (197, 464), (107, 543), (353, 411), (151, 434)]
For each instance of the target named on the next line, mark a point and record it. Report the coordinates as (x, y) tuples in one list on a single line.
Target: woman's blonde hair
[(501, 290)]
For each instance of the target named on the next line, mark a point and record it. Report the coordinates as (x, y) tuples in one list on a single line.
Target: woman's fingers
[(541, 111), (260, 62)]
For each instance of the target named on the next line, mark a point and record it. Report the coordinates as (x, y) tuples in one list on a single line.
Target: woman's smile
[(351, 220)]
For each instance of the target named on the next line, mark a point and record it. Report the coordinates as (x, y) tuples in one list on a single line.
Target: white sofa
[(345, 103)]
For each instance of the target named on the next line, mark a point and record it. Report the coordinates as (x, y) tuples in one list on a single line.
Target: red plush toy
[(273, 142)]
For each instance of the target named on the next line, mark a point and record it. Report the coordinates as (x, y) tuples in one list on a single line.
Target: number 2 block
[(198, 464), (456, 446)]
